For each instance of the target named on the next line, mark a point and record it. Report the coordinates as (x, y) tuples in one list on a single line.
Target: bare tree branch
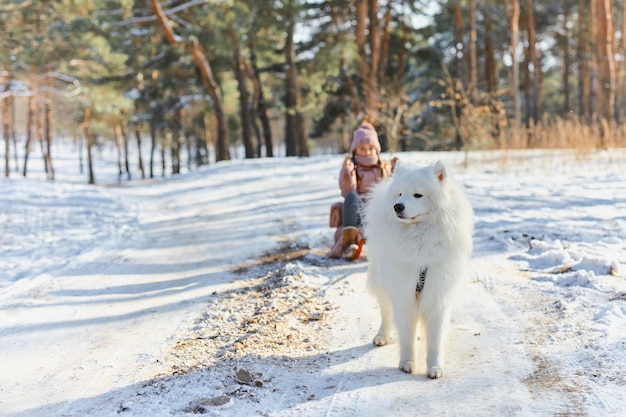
[(203, 65), (16, 6), (169, 13)]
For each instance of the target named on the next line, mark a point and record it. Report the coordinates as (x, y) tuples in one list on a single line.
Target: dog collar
[(421, 280)]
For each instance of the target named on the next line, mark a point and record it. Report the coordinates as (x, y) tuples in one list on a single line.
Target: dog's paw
[(435, 372), (381, 340), (408, 366)]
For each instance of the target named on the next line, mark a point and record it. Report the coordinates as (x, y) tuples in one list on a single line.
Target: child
[(361, 169)]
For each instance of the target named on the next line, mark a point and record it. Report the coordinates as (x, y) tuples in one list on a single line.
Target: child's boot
[(350, 236)]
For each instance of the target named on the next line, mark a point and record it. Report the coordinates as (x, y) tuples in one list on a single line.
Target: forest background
[(178, 84)]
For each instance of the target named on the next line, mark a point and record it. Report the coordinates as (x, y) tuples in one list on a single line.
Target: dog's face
[(415, 192), (411, 207)]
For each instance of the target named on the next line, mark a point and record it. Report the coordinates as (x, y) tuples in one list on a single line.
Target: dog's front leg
[(406, 320), (436, 325), (383, 337)]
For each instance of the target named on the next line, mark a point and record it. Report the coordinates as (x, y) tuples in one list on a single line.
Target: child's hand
[(348, 165)]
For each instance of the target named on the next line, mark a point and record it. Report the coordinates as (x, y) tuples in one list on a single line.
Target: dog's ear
[(440, 172), (396, 167)]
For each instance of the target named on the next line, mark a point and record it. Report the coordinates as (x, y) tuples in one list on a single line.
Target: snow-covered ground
[(210, 293)]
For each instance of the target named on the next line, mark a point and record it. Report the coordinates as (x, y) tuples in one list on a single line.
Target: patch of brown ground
[(275, 314)]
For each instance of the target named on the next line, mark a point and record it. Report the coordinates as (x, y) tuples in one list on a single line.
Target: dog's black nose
[(398, 207)]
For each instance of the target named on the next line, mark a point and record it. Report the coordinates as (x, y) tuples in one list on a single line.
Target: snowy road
[(145, 299)]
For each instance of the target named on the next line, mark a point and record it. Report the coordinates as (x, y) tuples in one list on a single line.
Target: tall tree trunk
[(188, 135), (399, 76), (294, 126), (162, 150), (593, 70), (153, 144), (176, 140), (526, 86), (256, 130), (367, 23), (88, 136), (139, 84), (582, 62), (372, 98), (620, 98), (206, 135), (492, 82), (125, 141), (384, 49), (206, 72), (260, 103), (79, 143), (606, 59), (47, 141), (291, 141), (473, 82), (14, 134), (5, 118), (244, 104), (514, 14), (456, 84), (621, 85), (490, 60), (353, 93), (303, 145), (352, 90), (139, 157), (459, 68), (565, 66), (47, 132), (29, 131), (223, 152), (533, 64), (119, 146), (458, 113), (40, 136)]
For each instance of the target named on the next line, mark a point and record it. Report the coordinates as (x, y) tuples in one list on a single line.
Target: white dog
[(418, 226)]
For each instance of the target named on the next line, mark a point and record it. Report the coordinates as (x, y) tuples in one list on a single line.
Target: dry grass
[(560, 133), (557, 142)]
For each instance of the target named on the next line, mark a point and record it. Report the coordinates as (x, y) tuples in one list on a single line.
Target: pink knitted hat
[(365, 135)]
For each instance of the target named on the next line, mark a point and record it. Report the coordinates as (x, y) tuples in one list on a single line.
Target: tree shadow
[(283, 382)]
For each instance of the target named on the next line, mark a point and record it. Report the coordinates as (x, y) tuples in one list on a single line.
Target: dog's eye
[(399, 194), (416, 195)]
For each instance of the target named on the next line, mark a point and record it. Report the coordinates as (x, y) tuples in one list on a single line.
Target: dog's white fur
[(417, 219)]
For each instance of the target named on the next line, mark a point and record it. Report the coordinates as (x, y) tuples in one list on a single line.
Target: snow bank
[(569, 264), (210, 293)]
